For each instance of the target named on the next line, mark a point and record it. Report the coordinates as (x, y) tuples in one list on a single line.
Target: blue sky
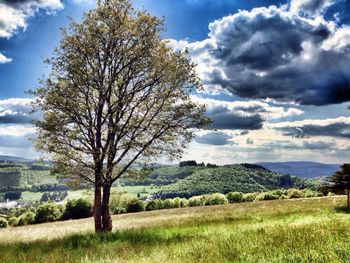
[(275, 73)]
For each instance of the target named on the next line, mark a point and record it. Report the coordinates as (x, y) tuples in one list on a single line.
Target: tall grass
[(307, 230)]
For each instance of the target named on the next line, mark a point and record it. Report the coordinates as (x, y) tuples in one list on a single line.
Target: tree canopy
[(116, 94)]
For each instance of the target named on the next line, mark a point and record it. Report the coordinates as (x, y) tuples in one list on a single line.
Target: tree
[(116, 95), (341, 181)]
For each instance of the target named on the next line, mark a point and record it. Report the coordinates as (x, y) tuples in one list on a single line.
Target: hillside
[(301, 169), (310, 230), (230, 178)]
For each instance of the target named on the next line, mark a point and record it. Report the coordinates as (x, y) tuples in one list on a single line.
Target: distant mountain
[(301, 169), (14, 159)]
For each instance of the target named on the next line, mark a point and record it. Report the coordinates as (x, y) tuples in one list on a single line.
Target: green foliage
[(47, 212), (26, 219), (234, 197), (118, 203), (266, 196), (13, 195), (180, 202), (168, 203), (135, 205), (249, 197), (13, 221), (155, 204), (78, 208), (3, 222), (295, 193)]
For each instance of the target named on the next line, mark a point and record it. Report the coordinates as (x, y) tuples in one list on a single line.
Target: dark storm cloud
[(214, 138), (274, 53), (336, 128), (224, 118)]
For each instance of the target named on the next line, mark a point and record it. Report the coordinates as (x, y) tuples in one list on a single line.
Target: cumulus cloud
[(278, 53), (336, 127), (243, 115), (15, 13), (4, 59), (214, 138), (310, 7), (17, 110)]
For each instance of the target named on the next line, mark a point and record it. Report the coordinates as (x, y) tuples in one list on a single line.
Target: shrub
[(295, 193), (47, 212), (135, 205), (26, 219), (3, 222), (330, 194), (215, 199), (118, 203), (234, 197), (266, 196), (154, 205), (13, 195), (250, 197), (180, 202), (196, 201), (168, 203), (13, 221), (78, 208)]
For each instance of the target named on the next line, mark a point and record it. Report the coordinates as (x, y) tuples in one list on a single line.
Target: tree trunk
[(98, 209), (348, 200), (106, 217)]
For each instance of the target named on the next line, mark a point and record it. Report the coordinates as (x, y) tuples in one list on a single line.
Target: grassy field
[(296, 230)]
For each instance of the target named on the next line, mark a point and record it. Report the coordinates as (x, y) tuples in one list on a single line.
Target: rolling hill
[(224, 179)]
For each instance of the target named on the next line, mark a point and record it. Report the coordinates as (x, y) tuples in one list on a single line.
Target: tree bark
[(106, 217), (98, 209), (348, 200)]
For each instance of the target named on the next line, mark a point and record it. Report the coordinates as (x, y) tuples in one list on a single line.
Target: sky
[(276, 74)]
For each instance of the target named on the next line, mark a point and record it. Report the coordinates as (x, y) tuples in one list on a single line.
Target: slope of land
[(301, 169), (308, 230), (224, 179)]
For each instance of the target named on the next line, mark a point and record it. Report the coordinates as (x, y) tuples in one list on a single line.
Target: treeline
[(122, 203)]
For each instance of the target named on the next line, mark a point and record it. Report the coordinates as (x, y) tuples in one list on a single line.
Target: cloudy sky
[(276, 74)]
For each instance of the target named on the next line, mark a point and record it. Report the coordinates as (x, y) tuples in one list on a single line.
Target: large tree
[(341, 181), (116, 95)]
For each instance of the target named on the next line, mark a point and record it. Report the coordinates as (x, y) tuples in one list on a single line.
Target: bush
[(215, 199), (118, 203), (250, 197), (13, 221), (14, 195), (266, 196), (196, 201), (295, 193), (234, 197), (330, 194), (135, 205), (3, 222), (47, 212), (168, 203), (78, 208), (180, 202), (26, 219), (155, 204)]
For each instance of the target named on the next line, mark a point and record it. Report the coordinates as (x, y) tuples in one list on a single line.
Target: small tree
[(341, 181), (116, 94)]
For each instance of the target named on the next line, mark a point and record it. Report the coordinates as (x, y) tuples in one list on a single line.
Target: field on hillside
[(295, 230)]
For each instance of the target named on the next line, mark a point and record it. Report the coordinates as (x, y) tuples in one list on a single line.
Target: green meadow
[(293, 230)]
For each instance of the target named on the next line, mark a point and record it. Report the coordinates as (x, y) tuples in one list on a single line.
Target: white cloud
[(14, 14), (4, 59)]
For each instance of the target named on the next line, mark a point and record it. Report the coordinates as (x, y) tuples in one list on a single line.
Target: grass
[(296, 230)]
